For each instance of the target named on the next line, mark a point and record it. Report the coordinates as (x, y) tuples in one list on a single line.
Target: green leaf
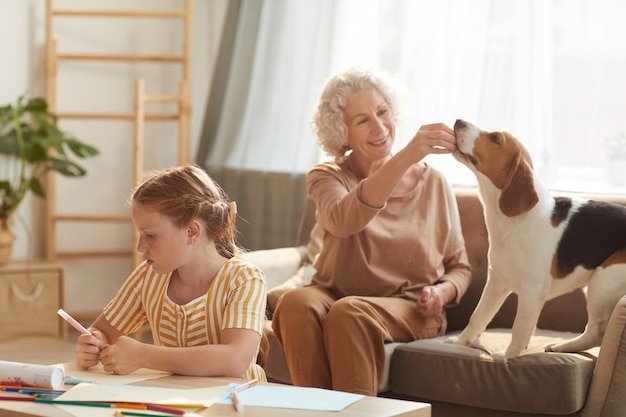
[(35, 187), (81, 149), (5, 187), (29, 136), (8, 144), (36, 105), (66, 167)]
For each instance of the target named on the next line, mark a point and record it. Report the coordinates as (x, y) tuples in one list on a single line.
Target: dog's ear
[(519, 194)]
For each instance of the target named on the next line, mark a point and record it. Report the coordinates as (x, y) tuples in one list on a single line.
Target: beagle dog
[(540, 246)]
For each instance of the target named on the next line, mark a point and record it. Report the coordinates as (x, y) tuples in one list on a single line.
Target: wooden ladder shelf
[(139, 116)]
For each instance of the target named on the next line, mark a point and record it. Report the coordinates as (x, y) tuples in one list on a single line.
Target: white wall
[(105, 87)]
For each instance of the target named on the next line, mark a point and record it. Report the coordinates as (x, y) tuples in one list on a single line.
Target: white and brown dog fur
[(540, 247)]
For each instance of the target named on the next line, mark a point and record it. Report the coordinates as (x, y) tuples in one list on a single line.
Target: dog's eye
[(494, 138)]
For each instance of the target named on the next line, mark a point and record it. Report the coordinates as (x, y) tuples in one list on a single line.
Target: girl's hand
[(122, 357), (89, 347)]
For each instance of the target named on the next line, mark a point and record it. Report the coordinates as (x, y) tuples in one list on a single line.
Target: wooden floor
[(41, 351), (50, 350)]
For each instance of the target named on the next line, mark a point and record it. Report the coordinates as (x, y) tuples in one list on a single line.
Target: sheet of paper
[(97, 374), (286, 396), (199, 397)]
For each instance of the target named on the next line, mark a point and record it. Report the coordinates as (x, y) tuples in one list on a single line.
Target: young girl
[(205, 307)]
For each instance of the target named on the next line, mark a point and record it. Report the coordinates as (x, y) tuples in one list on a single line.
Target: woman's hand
[(122, 357), (431, 302), (435, 138), (435, 297), (89, 347)]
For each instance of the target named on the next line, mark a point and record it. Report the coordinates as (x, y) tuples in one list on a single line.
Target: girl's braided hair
[(185, 193)]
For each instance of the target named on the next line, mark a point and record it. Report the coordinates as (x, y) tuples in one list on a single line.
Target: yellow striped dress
[(235, 299)]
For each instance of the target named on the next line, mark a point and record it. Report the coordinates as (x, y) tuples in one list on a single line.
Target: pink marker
[(235, 396), (246, 385), (72, 321)]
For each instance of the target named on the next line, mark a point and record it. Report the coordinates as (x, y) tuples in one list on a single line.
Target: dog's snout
[(459, 124)]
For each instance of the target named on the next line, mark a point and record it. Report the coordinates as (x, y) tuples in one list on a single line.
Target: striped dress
[(235, 299)]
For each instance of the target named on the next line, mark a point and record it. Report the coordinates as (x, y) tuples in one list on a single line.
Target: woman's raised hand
[(436, 138)]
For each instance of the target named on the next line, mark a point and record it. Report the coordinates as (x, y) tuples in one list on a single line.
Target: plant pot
[(6, 241)]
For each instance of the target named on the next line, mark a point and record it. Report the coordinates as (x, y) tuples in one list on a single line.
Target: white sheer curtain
[(256, 140), (550, 71), (267, 128)]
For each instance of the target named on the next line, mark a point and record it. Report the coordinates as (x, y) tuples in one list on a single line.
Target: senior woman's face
[(371, 126)]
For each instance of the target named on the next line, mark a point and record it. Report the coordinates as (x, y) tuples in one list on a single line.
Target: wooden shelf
[(120, 13)]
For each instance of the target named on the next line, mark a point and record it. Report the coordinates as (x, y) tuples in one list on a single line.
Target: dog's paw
[(513, 351), (553, 347), (500, 356), (456, 340)]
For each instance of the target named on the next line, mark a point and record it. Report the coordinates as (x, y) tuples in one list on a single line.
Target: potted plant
[(615, 170), (30, 146)]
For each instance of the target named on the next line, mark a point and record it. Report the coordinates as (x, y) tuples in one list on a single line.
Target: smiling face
[(371, 125), (163, 244)]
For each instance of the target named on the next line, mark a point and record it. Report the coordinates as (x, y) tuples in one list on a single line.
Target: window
[(553, 72)]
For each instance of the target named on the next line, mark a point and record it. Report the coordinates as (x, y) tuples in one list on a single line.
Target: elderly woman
[(393, 254)]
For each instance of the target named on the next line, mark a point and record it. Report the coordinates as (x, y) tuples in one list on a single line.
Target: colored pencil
[(133, 406), (151, 407), (169, 410), (17, 387), (11, 398), (52, 401), (83, 403), (137, 406), (63, 402), (72, 380), (35, 391), (135, 413)]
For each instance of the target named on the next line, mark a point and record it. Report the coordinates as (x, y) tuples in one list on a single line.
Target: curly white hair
[(328, 122)]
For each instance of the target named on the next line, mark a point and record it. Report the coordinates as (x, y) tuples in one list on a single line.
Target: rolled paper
[(31, 375)]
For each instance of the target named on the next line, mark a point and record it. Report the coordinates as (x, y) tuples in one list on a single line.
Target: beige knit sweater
[(413, 241)]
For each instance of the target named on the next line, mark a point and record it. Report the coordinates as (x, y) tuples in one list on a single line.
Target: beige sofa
[(465, 381)]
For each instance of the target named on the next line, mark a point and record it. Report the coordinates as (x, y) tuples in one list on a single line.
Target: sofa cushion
[(278, 264), (303, 275), (300, 278), (535, 382), (276, 363)]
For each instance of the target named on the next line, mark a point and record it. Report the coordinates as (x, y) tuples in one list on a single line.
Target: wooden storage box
[(30, 295)]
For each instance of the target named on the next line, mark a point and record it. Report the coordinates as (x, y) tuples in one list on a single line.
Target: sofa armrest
[(607, 393), (284, 269), (278, 265)]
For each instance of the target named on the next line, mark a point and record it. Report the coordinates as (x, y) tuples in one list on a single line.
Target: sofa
[(467, 381)]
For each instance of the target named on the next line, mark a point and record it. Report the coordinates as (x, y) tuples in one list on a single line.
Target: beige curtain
[(269, 206), (256, 140)]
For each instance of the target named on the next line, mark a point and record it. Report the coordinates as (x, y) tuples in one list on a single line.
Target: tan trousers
[(339, 343)]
